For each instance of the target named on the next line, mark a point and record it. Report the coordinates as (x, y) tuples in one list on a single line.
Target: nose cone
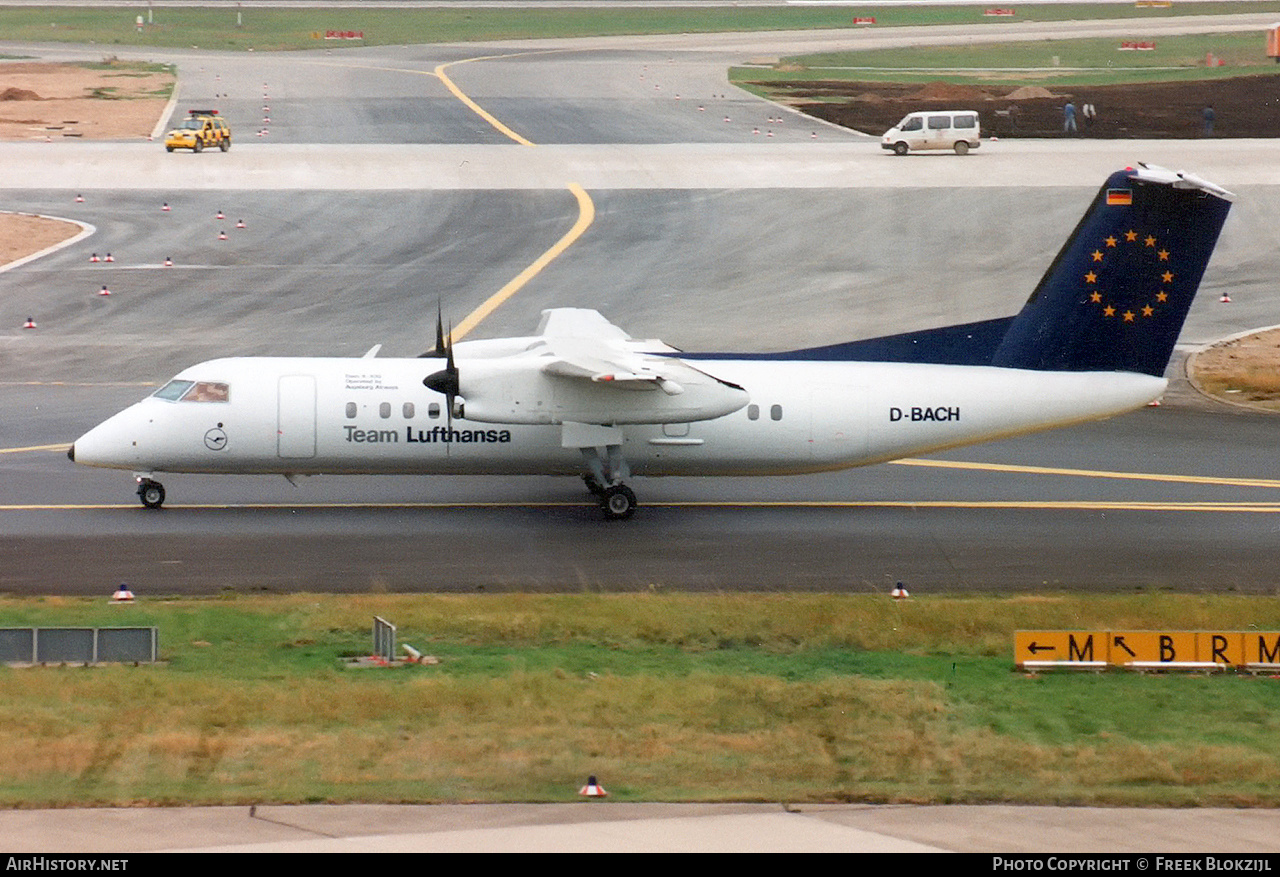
[(112, 444)]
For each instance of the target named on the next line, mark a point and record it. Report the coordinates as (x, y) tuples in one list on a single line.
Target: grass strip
[(670, 697), (225, 28)]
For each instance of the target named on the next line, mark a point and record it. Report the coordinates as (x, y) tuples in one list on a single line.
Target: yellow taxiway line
[(1009, 505), (1090, 473), (586, 215)]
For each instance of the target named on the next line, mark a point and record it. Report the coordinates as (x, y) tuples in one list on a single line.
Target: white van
[(939, 129)]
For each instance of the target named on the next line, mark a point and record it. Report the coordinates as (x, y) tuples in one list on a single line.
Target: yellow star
[(1128, 316), (1097, 255), (1167, 276), (1130, 235), (1162, 296), (1150, 241), (1109, 311), (1090, 277), (1096, 297), (1147, 310), (1111, 241), (1164, 255)]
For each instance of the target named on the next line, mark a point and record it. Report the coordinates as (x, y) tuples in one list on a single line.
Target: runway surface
[(379, 192), (601, 826)]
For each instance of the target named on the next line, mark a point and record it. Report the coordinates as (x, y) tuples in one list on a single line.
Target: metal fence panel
[(79, 645), (17, 645)]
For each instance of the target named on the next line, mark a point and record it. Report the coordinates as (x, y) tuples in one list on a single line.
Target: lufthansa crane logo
[(215, 439), (1130, 277)]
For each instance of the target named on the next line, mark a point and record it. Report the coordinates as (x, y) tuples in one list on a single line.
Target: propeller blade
[(445, 382), (439, 328)]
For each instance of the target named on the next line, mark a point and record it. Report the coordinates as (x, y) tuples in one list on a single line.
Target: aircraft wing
[(585, 364)]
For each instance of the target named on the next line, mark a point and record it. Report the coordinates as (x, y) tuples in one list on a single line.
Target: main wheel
[(151, 493), (225, 144), (619, 503), (199, 147), (900, 148), (962, 148)]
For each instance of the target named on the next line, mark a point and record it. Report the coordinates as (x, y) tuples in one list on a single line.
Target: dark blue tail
[(1114, 299), (1116, 296)]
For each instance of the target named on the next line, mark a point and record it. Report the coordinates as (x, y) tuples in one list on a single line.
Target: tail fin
[(1118, 293)]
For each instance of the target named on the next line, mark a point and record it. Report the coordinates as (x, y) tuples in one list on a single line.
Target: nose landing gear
[(150, 492)]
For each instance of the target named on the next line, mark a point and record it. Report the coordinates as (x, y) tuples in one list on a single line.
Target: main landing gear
[(150, 492), (604, 479)]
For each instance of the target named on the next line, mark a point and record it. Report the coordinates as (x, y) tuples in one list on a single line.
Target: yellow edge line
[(1230, 507), (61, 447), (586, 215), (1090, 473)]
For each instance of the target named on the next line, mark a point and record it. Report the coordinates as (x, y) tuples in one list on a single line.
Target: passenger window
[(433, 410), (408, 411), (911, 124), (775, 413), (753, 412), (939, 123), (384, 410), (966, 121), (351, 410)]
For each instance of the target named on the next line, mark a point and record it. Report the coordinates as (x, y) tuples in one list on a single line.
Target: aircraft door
[(296, 417)]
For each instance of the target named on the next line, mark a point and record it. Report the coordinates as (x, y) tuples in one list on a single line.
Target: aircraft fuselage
[(349, 416)]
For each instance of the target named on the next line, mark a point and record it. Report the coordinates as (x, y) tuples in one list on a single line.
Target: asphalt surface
[(376, 195)]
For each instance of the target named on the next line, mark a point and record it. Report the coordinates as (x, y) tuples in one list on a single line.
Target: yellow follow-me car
[(199, 129)]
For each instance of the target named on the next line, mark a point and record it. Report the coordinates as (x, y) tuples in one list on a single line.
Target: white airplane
[(581, 397)]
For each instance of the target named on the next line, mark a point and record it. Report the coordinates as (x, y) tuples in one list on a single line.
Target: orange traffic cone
[(168, 263), (1225, 298), (165, 208), (104, 290), (108, 258), (592, 789), (29, 324), (240, 223), (93, 257), (222, 235)]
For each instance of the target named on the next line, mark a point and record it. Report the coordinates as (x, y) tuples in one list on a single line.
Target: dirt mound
[(1243, 107), (949, 91), (1030, 92), (18, 94)]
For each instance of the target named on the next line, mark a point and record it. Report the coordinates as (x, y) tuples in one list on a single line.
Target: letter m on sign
[(1077, 651), (1268, 655)]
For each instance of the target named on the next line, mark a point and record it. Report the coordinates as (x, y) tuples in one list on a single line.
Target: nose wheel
[(151, 493)]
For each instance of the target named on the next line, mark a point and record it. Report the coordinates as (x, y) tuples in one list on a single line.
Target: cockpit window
[(173, 390), (207, 391), (194, 391)]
